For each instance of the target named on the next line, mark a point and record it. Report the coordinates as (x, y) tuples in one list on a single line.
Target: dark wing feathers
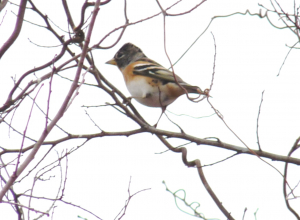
[(155, 70)]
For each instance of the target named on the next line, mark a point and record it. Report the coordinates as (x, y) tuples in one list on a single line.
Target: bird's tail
[(193, 89)]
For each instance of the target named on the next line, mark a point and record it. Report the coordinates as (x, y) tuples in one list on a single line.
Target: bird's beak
[(112, 62)]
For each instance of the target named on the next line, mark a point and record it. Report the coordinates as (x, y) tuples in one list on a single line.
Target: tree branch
[(59, 114), (294, 148), (17, 30)]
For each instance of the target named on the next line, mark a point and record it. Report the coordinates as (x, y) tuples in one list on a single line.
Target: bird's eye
[(120, 55)]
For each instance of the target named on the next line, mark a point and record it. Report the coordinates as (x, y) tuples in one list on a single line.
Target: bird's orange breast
[(128, 71)]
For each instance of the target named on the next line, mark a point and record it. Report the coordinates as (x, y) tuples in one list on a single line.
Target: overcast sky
[(249, 55)]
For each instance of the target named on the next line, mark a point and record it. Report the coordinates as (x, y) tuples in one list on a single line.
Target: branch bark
[(17, 30), (294, 148), (59, 114), (152, 130)]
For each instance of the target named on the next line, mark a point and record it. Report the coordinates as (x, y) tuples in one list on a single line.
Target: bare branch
[(128, 200), (17, 30), (24, 134), (31, 209), (294, 148), (257, 136), (60, 112), (189, 11), (3, 4), (164, 13), (128, 24), (245, 210), (168, 134), (287, 56), (68, 14), (211, 192), (197, 164)]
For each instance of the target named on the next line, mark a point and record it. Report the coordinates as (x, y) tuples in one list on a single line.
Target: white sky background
[(249, 55)]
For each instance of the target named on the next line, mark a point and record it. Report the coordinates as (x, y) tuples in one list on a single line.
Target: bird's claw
[(127, 101)]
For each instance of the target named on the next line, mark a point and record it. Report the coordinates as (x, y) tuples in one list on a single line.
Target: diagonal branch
[(59, 114)]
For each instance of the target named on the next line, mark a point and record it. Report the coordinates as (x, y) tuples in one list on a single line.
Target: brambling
[(148, 82)]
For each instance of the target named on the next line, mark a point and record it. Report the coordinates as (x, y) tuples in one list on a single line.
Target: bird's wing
[(148, 67)]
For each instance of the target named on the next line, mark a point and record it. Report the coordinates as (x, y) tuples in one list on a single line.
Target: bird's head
[(128, 53)]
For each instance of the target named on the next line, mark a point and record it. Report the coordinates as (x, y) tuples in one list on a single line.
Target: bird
[(148, 82)]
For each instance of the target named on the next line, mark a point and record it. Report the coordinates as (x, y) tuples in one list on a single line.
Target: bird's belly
[(147, 94)]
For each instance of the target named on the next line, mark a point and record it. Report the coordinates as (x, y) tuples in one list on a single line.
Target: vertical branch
[(165, 48), (214, 67), (49, 95), (24, 133), (17, 30), (257, 136), (286, 199), (18, 209), (172, 67)]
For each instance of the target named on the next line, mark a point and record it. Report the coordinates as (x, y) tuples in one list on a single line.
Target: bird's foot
[(127, 101)]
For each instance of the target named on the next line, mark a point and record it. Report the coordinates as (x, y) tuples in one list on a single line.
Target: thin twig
[(3, 18), (59, 114), (287, 57), (164, 13), (207, 116), (77, 90), (221, 160), (252, 151), (31, 209), (245, 210), (257, 136), (92, 120), (214, 66), (128, 200), (24, 133)]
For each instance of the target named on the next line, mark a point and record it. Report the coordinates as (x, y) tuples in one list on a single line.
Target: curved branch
[(84, 7), (17, 30), (123, 30), (196, 163), (294, 148), (9, 101), (129, 24), (3, 4), (49, 27)]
